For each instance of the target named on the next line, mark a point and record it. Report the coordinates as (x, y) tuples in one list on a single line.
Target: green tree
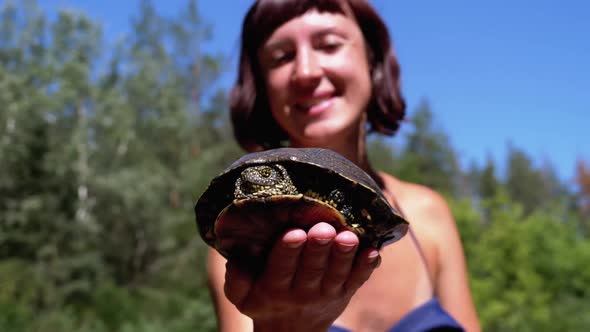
[(44, 230), (100, 156), (528, 185), (486, 187), (382, 154), (171, 140), (488, 182), (582, 195), (520, 276), (428, 158)]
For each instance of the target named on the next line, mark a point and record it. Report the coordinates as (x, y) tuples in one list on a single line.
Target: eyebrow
[(274, 45), (335, 29)]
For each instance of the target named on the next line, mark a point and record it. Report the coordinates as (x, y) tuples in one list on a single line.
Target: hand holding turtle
[(261, 194), (284, 267), (309, 279)]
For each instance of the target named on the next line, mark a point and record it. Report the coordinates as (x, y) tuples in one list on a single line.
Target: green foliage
[(489, 185), (381, 154), (99, 171), (428, 157), (527, 272), (522, 176)]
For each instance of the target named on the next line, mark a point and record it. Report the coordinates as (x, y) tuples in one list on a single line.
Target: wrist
[(292, 322), (292, 325)]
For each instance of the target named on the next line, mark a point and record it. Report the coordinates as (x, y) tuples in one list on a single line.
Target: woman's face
[(317, 77)]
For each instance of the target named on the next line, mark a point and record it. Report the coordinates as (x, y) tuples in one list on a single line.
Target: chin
[(324, 135)]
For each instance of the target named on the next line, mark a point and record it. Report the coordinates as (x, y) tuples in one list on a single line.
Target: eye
[(280, 57), (329, 43), (329, 47), (266, 172)]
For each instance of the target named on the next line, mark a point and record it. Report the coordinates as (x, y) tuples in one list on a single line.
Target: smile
[(314, 106)]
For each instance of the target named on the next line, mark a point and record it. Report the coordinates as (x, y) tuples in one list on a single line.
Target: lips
[(316, 104)]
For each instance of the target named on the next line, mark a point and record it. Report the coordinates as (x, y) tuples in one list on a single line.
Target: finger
[(314, 258), (341, 261), (283, 260), (366, 262), (238, 283)]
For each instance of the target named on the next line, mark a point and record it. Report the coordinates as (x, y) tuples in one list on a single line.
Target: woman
[(322, 74)]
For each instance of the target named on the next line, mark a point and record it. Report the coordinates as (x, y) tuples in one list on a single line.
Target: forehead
[(265, 16), (311, 22)]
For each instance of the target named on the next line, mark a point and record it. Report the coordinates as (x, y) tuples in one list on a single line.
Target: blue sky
[(494, 72)]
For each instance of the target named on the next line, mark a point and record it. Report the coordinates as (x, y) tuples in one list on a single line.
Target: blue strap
[(430, 316)]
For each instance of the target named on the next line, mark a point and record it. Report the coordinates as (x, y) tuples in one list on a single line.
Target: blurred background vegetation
[(104, 151)]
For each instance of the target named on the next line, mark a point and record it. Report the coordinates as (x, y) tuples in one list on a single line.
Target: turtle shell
[(262, 194)]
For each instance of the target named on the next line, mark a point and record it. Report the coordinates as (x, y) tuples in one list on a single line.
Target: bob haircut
[(254, 126)]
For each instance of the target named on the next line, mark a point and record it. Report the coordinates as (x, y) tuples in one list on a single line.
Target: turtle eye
[(265, 172)]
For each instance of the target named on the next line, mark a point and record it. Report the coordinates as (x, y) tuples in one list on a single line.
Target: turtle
[(260, 195)]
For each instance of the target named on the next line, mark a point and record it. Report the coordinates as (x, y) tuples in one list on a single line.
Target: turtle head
[(264, 181)]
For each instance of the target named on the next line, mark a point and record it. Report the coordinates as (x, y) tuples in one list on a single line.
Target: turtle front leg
[(338, 200)]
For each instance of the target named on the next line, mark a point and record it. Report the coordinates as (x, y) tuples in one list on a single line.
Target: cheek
[(277, 100), (276, 87), (277, 80), (353, 70), (358, 84)]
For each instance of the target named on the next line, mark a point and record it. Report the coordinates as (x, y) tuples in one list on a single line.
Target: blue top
[(430, 316)]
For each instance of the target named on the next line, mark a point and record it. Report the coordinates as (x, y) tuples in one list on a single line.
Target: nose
[(307, 68)]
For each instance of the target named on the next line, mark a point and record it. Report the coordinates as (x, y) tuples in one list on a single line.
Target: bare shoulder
[(430, 216), (421, 204)]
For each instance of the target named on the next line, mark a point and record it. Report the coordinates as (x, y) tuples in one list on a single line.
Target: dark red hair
[(254, 126)]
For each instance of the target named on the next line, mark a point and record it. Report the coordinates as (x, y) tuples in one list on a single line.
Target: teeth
[(312, 103)]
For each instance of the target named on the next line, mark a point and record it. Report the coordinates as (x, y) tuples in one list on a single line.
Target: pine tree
[(530, 186), (582, 200), (102, 156), (46, 229), (428, 158)]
